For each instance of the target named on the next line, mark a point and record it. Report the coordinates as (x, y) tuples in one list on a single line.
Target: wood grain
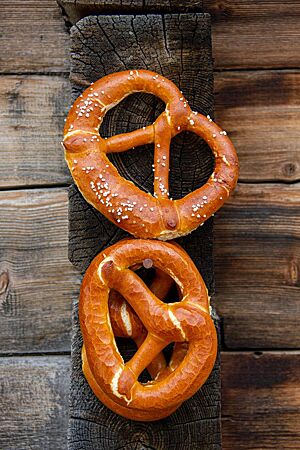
[(32, 119), (257, 263), (260, 392), (77, 9), (34, 38), (260, 110), (179, 47), (256, 34), (261, 401), (37, 283), (33, 403)]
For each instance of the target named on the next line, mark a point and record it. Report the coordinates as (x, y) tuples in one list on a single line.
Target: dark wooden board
[(260, 110), (257, 260), (179, 47), (260, 402), (33, 402)]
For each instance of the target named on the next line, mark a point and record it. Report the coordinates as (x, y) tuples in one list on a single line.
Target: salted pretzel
[(186, 322), (140, 213)]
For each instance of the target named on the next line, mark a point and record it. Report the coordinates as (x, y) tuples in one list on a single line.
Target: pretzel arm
[(125, 141), (124, 320), (162, 141), (158, 364), (150, 348), (125, 323)]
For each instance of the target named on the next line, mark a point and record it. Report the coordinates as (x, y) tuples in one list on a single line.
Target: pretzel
[(186, 322), (140, 213)]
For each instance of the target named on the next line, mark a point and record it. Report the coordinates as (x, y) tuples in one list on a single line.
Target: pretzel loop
[(186, 322), (137, 212)]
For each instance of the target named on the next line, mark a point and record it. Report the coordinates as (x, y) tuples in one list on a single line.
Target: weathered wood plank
[(37, 282), (260, 110), (257, 264), (260, 392), (77, 9), (179, 47), (261, 401), (33, 37), (256, 34), (245, 35), (32, 111), (33, 402)]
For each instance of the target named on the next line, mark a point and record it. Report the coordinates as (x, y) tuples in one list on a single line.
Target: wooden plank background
[(257, 53)]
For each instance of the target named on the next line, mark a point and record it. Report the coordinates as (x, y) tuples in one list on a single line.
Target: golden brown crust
[(186, 322), (126, 324), (138, 212)]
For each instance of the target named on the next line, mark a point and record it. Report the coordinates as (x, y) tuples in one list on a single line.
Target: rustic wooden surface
[(261, 112), (257, 266), (36, 280), (179, 47), (271, 42), (33, 109), (260, 406), (246, 35), (261, 399), (34, 395)]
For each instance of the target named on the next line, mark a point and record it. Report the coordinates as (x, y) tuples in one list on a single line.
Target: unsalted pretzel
[(126, 324), (186, 322), (138, 212)]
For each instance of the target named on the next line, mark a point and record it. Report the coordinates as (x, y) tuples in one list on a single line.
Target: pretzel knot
[(136, 211), (186, 322)]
